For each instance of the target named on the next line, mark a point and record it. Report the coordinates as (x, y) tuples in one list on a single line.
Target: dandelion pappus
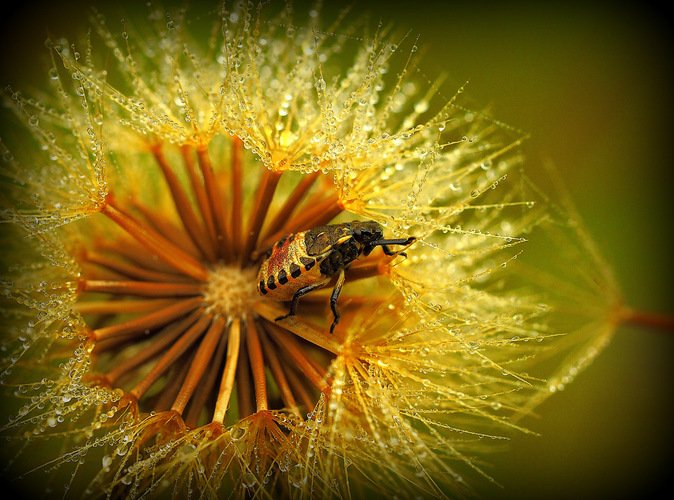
[(300, 263)]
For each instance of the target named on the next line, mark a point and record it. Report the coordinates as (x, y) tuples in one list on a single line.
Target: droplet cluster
[(145, 194)]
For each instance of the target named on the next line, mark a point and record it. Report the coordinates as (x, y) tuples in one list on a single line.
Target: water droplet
[(248, 480), (296, 476), (421, 106), (237, 433)]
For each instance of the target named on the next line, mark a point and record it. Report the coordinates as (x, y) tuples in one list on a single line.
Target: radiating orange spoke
[(174, 378), (133, 271), (289, 345), (227, 382), (165, 250), (183, 343), (322, 299), (162, 341), (315, 215), (277, 371), (122, 306), (137, 255), (265, 194), (199, 193), (257, 365), (375, 265), (184, 208), (244, 384), (205, 388), (214, 201), (150, 321), (284, 213), (168, 230), (141, 288), (199, 364), (300, 327), (299, 387), (237, 194)]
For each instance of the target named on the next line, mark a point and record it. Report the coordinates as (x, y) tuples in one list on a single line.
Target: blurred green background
[(592, 83)]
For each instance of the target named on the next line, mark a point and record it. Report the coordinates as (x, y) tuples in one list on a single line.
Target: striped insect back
[(286, 268)]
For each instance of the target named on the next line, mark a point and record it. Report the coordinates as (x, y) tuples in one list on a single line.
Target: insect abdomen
[(287, 269)]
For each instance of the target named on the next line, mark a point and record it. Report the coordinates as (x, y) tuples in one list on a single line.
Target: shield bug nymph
[(300, 263)]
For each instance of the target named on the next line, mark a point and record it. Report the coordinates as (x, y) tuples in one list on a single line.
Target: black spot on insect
[(262, 289), (270, 283), (280, 242), (295, 270), (282, 277), (307, 262)]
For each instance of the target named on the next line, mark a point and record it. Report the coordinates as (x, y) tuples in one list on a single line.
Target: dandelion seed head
[(158, 170)]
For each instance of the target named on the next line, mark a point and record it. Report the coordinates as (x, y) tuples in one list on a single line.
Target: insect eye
[(357, 232)]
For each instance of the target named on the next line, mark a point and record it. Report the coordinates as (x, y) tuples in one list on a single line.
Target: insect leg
[(302, 291), (333, 299)]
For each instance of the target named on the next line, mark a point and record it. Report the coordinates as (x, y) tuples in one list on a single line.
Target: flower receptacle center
[(230, 290)]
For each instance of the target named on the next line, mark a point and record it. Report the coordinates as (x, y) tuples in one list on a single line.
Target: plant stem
[(654, 320)]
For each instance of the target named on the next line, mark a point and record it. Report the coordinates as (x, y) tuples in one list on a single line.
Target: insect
[(300, 263)]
